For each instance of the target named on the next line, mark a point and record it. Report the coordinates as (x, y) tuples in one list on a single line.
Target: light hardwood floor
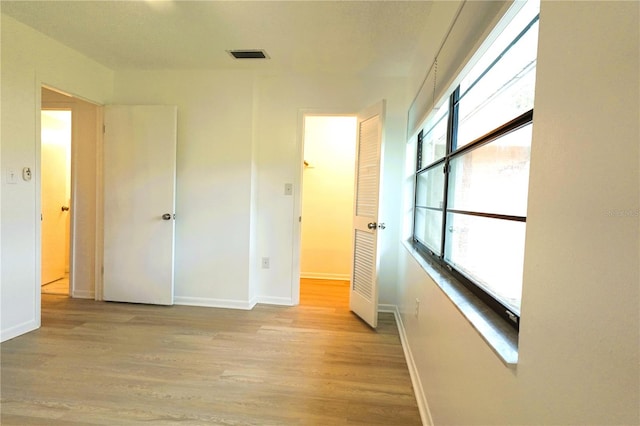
[(94, 363), (60, 287)]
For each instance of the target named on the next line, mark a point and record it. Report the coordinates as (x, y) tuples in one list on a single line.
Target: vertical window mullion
[(451, 141), (419, 153), (415, 181)]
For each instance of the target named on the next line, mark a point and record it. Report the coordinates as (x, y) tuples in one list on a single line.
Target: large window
[(472, 170)]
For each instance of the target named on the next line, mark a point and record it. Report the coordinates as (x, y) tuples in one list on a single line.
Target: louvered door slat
[(363, 264), (367, 183)]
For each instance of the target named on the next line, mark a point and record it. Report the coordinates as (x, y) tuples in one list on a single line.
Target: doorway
[(55, 174), (81, 205), (327, 209)]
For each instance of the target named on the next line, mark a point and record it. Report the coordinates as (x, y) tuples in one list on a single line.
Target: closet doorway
[(327, 209)]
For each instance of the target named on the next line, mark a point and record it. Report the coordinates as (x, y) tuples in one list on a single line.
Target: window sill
[(502, 338)]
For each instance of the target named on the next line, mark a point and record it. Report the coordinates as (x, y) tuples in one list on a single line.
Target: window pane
[(430, 187), (490, 252), (493, 178), (429, 200), (502, 94), (528, 12), (434, 144), (428, 229)]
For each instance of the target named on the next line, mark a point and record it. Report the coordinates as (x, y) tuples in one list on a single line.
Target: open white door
[(139, 203), (363, 299)]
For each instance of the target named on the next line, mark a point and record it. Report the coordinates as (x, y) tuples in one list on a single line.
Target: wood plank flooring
[(60, 287), (95, 363)]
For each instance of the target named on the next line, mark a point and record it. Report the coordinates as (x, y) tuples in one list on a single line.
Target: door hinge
[(104, 128)]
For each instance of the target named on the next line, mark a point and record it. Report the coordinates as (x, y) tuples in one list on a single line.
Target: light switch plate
[(288, 189), (12, 177)]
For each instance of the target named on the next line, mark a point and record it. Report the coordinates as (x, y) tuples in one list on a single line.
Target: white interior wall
[(579, 335), (214, 177), (253, 225), (229, 215), (29, 59), (237, 147), (327, 197), (579, 252), (280, 99)]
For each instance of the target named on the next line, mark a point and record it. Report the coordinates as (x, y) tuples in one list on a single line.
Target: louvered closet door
[(364, 286)]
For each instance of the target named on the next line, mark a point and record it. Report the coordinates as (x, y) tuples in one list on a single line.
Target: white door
[(139, 203), (54, 174), (363, 299)]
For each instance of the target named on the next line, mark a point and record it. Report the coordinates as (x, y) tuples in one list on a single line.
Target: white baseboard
[(214, 303), (387, 308), (421, 399), (325, 276), (83, 294), (231, 304), (18, 330)]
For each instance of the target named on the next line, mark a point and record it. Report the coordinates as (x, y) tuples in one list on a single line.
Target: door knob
[(166, 216), (65, 209), (372, 225)]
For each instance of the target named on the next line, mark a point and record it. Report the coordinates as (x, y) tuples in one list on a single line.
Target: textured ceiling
[(358, 38)]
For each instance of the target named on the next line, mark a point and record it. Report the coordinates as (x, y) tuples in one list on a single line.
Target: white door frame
[(39, 85), (297, 193)]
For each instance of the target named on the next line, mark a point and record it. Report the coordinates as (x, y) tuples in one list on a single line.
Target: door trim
[(297, 193), (73, 234)]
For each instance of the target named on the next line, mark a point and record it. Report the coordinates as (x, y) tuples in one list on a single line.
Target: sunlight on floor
[(60, 286)]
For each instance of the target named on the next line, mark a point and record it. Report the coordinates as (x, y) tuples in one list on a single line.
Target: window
[(472, 170)]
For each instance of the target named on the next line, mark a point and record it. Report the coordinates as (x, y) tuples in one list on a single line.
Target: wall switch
[(12, 177), (265, 263), (288, 189)]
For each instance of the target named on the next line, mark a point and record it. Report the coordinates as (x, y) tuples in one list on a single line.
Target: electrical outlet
[(265, 263), (417, 311)]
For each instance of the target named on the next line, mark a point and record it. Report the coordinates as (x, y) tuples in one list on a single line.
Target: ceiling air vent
[(249, 54)]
